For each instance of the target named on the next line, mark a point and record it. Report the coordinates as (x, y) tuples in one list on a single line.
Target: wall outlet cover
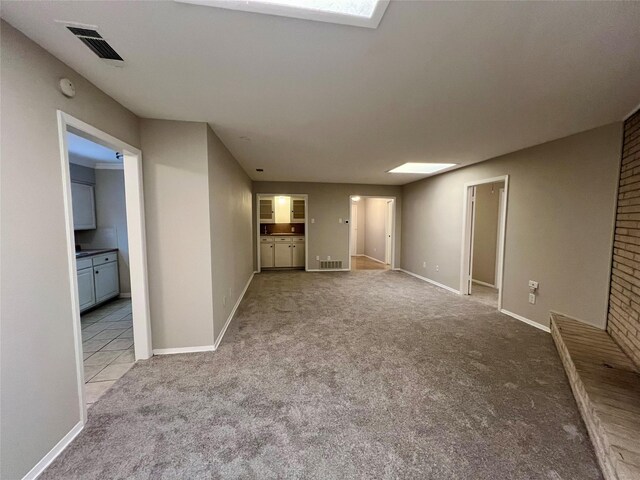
[(532, 298)]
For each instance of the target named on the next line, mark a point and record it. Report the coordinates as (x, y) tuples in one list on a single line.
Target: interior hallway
[(360, 262), (391, 378)]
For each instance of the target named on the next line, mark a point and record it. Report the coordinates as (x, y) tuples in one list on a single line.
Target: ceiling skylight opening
[(358, 13), (422, 168)]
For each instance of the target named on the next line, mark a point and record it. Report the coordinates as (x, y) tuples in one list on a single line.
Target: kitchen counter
[(282, 234), (88, 253)]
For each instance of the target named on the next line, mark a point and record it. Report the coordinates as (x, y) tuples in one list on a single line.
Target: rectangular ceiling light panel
[(423, 168), (358, 13)]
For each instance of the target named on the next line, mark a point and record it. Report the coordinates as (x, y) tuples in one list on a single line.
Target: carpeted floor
[(339, 376)]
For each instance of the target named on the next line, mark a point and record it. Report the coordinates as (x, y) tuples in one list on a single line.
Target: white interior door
[(354, 229), (388, 226), (471, 222), (499, 246)]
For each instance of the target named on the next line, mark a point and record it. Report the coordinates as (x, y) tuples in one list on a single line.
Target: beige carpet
[(371, 375)]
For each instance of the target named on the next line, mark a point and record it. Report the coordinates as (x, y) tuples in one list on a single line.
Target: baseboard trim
[(233, 312), (172, 351), (374, 259), (54, 452), (433, 282), (526, 320), (328, 270), (125, 295), (484, 283)]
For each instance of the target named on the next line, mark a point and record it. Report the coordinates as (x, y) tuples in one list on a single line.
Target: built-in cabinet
[(97, 279), (282, 252), (84, 206), (281, 209)]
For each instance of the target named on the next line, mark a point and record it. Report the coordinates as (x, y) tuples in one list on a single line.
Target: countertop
[(89, 253), (282, 234)]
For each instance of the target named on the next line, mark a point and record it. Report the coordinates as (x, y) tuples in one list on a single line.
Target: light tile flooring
[(365, 263), (107, 344), (484, 294)]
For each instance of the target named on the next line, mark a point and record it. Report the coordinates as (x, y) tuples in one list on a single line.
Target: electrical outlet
[(317, 257), (437, 268), (424, 264), (328, 257), (532, 298), (313, 220), (339, 220)]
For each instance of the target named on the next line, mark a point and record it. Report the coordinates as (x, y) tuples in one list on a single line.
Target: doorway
[(485, 209), (111, 257), (371, 233)]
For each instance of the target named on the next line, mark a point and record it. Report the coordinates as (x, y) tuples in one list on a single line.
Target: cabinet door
[(283, 254), (86, 289), (297, 210), (267, 212), (106, 279), (298, 254), (84, 209), (266, 255)]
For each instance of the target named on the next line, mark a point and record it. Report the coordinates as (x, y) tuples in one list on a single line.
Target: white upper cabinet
[(84, 207), (266, 211), (297, 210)]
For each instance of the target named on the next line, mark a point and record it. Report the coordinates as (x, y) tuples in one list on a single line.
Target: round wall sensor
[(67, 87)]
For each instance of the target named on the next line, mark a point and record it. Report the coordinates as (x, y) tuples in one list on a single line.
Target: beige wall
[(176, 196), (39, 394), (559, 227), (230, 207), (376, 214), (485, 234), (327, 203)]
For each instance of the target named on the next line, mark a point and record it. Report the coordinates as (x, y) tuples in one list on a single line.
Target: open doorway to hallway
[(371, 233), (484, 241)]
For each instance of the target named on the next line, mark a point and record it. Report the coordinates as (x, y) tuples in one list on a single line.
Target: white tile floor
[(107, 343)]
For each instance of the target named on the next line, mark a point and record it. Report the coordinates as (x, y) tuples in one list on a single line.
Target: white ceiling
[(307, 101)]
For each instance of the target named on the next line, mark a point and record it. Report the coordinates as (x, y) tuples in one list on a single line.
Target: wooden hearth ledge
[(606, 385)]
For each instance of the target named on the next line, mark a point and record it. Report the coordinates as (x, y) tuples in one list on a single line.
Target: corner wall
[(624, 301), (559, 227), (39, 401)]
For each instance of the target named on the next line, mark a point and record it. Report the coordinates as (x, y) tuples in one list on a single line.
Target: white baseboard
[(484, 283), (374, 259), (233, 312), (171, 351), (328, 270), (433, 282), (526, 320), (125, 295), (54, 452)]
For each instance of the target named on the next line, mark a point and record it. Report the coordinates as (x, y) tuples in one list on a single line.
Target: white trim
[(297, 12), (39, 467), (374, 259), (136, 238), (479, 282), (108, 166), (233, 312), (171, 351), (425, 279), (526, 320), (328, 270)]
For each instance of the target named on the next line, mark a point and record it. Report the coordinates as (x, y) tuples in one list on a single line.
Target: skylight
[(359, 13), (424, 168)]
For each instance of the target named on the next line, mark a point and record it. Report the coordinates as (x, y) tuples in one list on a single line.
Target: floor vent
[(96, 43), (330, 264)]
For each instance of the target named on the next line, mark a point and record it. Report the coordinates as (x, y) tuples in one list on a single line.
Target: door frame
[(306, 225), (393, 224), (466, 254), (388, 232), (353, 245), (134, 200)]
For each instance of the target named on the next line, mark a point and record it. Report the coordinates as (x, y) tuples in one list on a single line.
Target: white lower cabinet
[(282, 257), (106, 280), (297, 255), (266, 255), (86, 288)]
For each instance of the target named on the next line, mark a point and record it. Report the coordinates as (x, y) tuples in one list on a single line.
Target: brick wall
[(624, 301)]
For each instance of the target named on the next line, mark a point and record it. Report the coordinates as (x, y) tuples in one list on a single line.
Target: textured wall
[(624, 300)]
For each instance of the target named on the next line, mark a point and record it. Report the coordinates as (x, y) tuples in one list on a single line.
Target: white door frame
[(134, 200), (393, 224), (353, 246), (306, 225), (388, 231), (467, 235)]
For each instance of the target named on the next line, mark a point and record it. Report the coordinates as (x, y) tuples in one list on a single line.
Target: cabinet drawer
[(83, 263), (298, 239), (282, 239), (266, 239), (105, 258)]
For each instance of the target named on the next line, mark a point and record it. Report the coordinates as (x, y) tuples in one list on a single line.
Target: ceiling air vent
[(96, 43)]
